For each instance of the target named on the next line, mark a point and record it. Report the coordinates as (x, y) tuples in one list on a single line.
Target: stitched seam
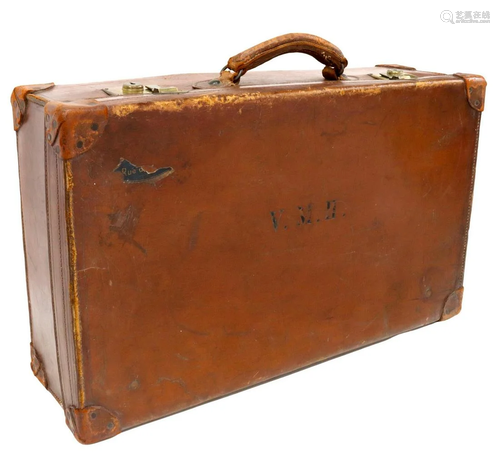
[(469, 210), (24, 240), (54, 316)]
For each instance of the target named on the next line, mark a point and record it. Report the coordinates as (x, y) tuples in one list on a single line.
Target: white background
[(432, 393)]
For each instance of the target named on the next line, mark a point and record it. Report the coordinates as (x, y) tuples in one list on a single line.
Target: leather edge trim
[(73, 283), (60, 277), (74, 128), (69, 376), (453, 304), (471, 197), (475, 86), (18, 99), (92, 424)]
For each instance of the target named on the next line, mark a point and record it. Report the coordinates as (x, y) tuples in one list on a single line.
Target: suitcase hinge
[(475, 85), (452, 304), (73, 128), (18, 101), (92, 423)]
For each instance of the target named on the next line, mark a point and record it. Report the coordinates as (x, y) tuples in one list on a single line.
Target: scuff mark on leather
[(193, 238), (124, 224), (181, 383), (183, 327)]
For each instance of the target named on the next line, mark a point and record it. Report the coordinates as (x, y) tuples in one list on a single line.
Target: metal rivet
[(93, 415), (214, 82), (471, 89), (111, 425), (54, 124), (79, 144), (47, 117), (94, 126), (58, 149), (49, 137), (477, 103)]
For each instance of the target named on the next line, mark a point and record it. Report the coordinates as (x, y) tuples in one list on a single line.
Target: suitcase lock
[(393, 74)]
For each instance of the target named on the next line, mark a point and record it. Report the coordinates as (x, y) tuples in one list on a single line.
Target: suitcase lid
[(182, 86), (171, 92)]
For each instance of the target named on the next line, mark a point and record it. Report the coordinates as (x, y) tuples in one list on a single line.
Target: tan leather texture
[(92, 424), (475, 87), (72, 129), (18, 101), (453, 304), (322, 50), (32, 178), (204, 242)]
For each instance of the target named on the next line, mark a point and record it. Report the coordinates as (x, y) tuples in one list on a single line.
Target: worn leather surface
[(33, 181), (60, 266), (43, 196), (297, 79), (298, 221), (73, 128), (475, 86), (322, 50), (92, 424), (18, 101), (453, 304), (202, 291)]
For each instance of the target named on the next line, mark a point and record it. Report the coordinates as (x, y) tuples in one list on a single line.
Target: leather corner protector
[(92, 424), (37, 366), (396, 66), (452, 304), (73, 128), (475, 86), (18, 101)]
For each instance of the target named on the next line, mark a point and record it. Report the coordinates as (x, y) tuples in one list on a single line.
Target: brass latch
[(132, 88), (392, 74)]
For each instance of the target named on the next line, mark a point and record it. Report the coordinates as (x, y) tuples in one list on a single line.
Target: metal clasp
[(393, 74), (133, 88)]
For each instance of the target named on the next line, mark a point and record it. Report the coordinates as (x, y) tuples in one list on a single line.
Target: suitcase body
[(185, 243)]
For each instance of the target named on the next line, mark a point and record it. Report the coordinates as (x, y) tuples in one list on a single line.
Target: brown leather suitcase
[(189, 236)]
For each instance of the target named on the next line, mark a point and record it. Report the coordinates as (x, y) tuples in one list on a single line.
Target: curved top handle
[(322, 50)]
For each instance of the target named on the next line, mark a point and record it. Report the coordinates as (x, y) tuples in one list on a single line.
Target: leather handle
[(320, 49)]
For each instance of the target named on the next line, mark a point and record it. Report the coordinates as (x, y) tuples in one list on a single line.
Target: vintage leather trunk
[(189, 236)]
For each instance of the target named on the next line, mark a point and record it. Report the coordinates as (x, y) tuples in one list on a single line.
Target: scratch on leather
[(181, 383), (124, 224)]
